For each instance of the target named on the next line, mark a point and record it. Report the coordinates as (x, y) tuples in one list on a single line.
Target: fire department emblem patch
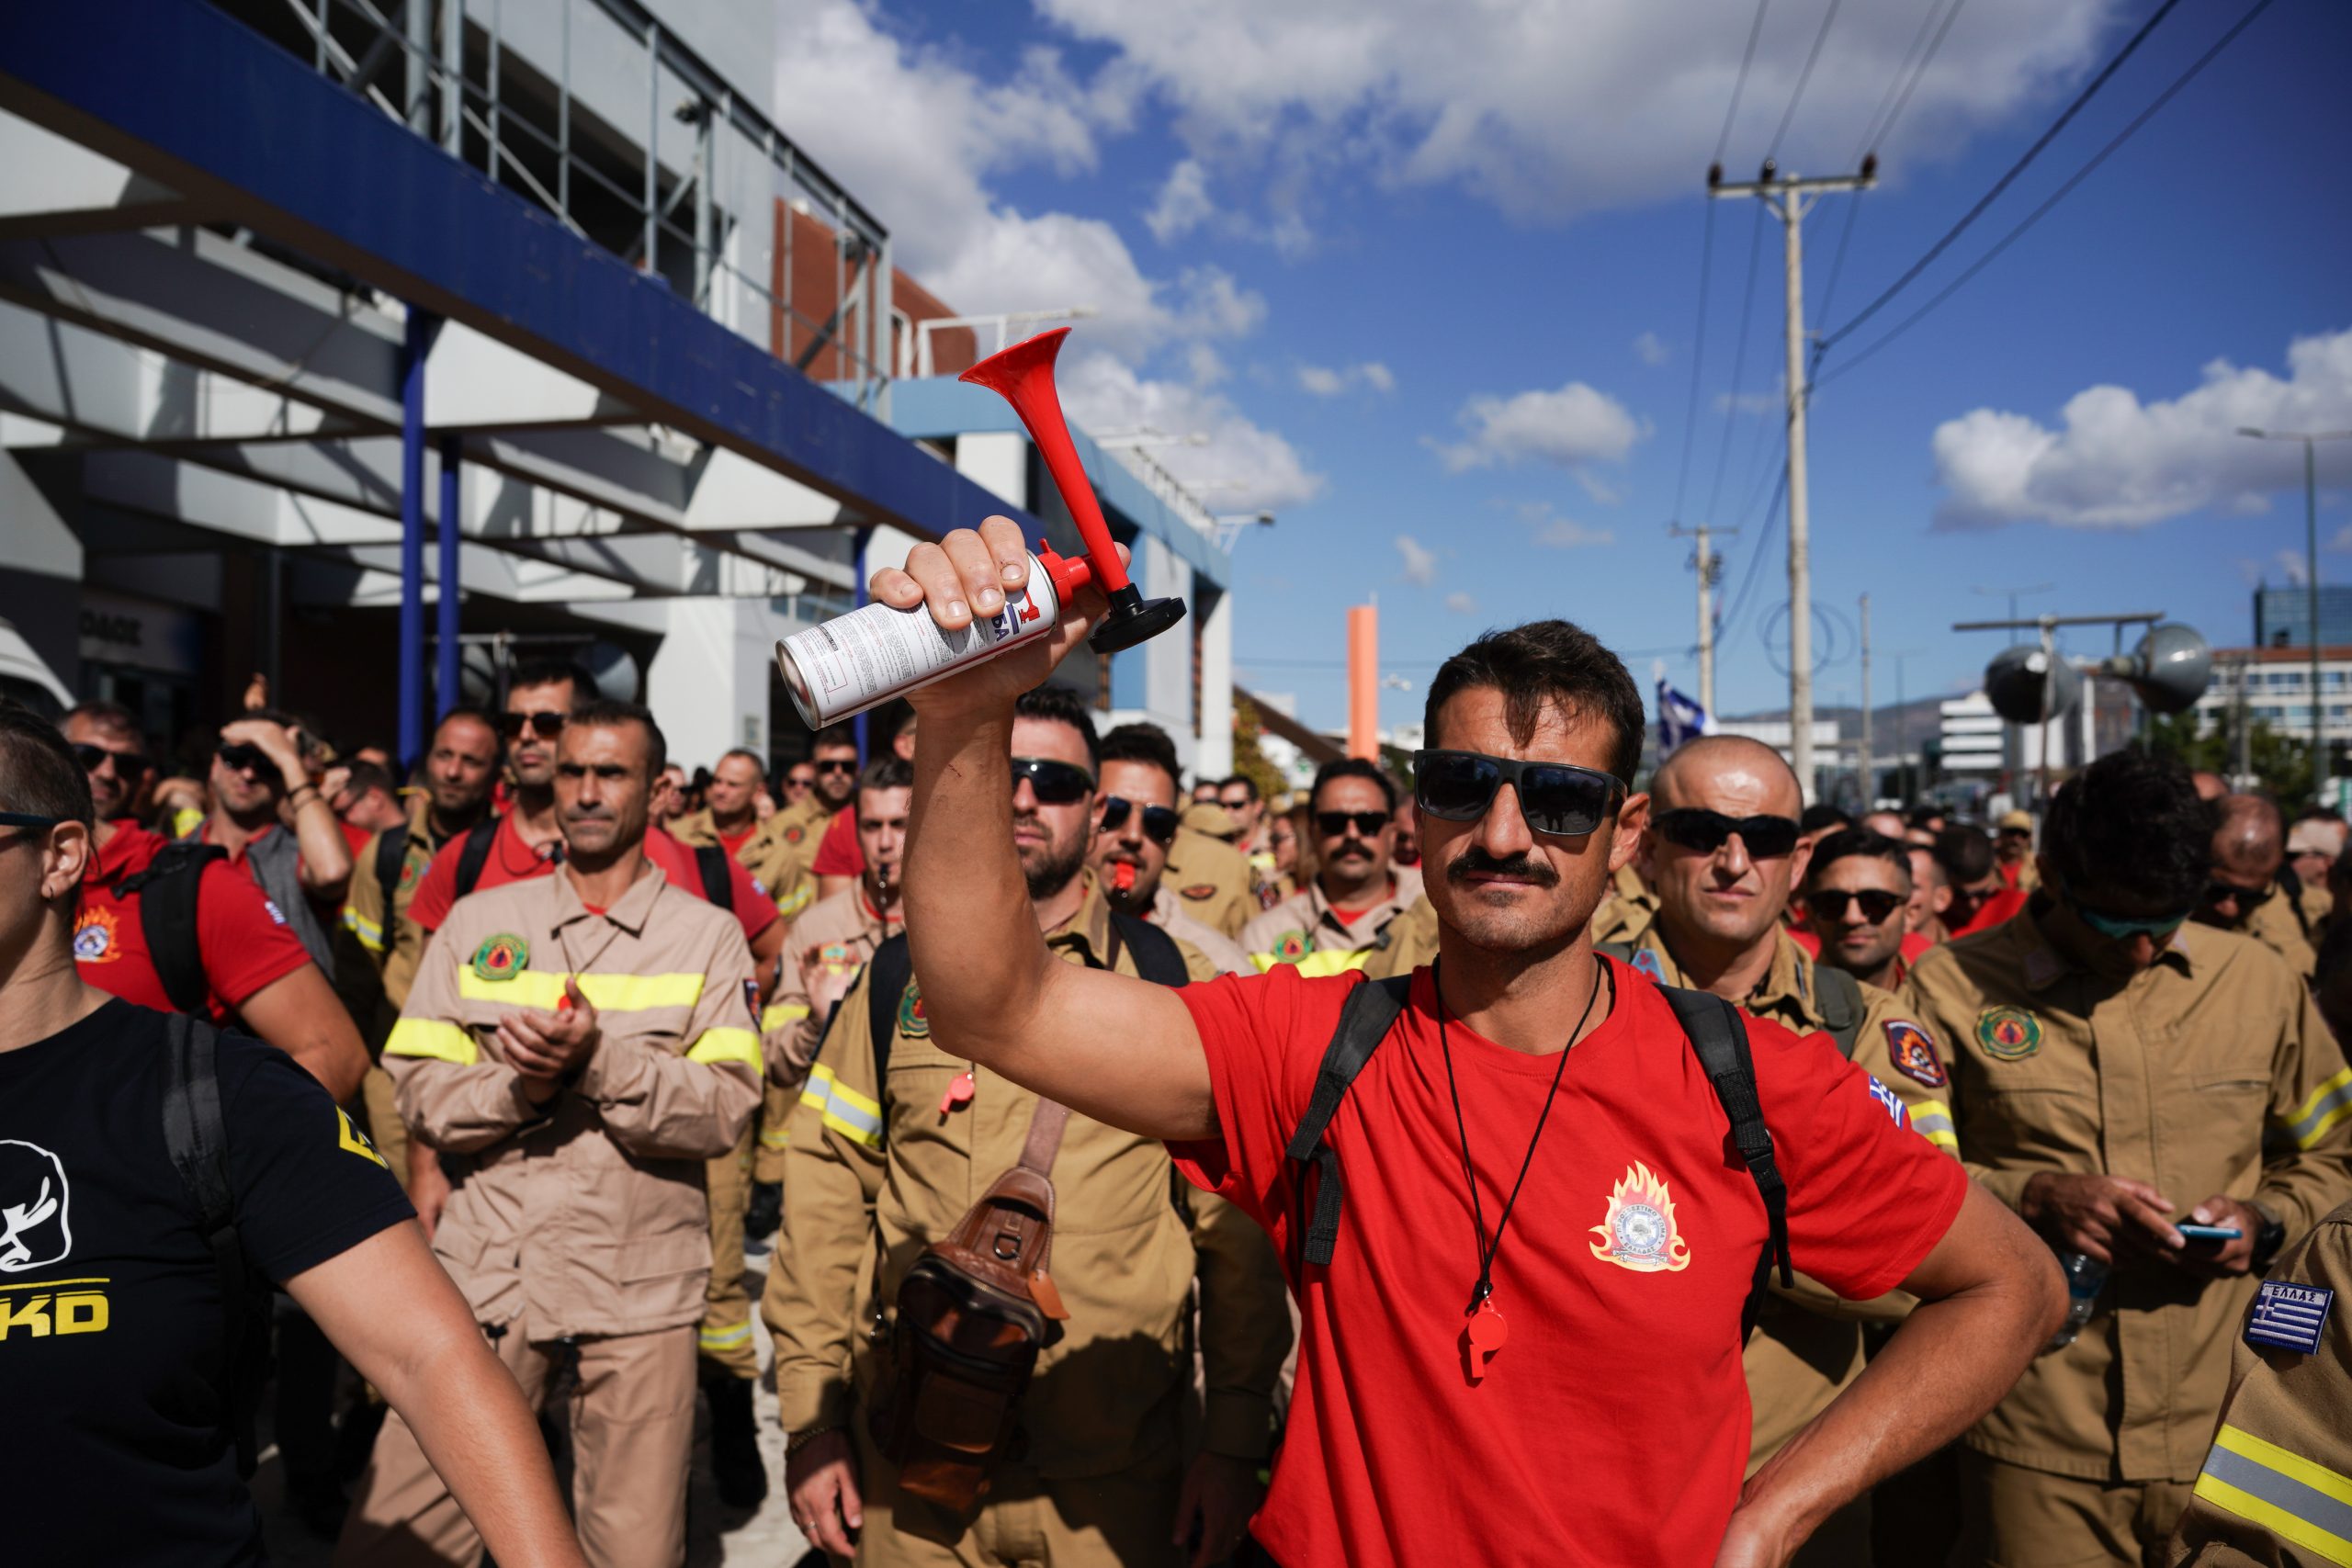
[(1646, 962), (94, 936), (912, 1021), (793, 834), (1199, 890), (1914, 1054), (2008, 1034), (1292, 946), (1638, 1230), (502, 957)]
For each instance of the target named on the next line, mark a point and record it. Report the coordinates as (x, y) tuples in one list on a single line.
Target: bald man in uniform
[(2243, 892)]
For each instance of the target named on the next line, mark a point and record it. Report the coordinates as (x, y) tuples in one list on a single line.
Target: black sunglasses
[(243, 757), (546, 725), (27, 820), (127, 765), (1828, 905), (2248, 898), (1334, 824), (836, 765), (1054, 783), (1767, 838), (1158, 821), (1558, 798)]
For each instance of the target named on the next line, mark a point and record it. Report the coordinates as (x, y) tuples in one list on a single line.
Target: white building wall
[(1216, 686), (711, 678)]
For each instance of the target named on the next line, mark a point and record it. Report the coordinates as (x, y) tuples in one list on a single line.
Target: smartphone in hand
[(2192, 1232)]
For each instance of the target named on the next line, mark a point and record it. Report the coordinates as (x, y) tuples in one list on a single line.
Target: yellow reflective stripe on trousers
[(717, 1046), (431, 1037), (846, 1111), (607, 993), (778, 1014), (371, 935), (1314, 965), (2294, 1499), (2329, 1103), (1931, 1119)]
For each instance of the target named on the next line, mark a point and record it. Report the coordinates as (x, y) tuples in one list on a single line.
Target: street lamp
[(2311, 440), (1231, 526)]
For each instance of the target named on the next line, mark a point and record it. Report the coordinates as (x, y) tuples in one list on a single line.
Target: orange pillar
[(1364, 682)]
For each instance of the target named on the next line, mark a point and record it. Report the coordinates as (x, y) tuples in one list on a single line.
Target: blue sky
[(1427, 275)]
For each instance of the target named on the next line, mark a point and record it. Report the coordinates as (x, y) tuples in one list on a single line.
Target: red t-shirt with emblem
[(1613, 1427), (837, 852), (243, 939), (512, 860)]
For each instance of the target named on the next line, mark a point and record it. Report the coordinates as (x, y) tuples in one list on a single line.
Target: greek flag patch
[(2289, 1317), (1888, 1101)]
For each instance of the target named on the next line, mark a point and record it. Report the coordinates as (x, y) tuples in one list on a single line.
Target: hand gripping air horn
[(1023, 377), (862, 660)]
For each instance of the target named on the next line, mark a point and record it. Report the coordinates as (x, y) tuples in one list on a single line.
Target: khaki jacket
[(1626, 910), (1226, 956), (836, 935), (375, 918), (2210, 1072), (588, 1212), (2277, 1479), (876, 1172), (1212, 877), (1807, 1346), (1412, 942), (778, 862), (1305, 930), (2277, 926)]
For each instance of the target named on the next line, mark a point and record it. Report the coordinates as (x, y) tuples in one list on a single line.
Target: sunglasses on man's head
[(1054, 783), (1828, 905), (1704, 832), (1558, 798), (127, 765), (1158, 821), (546, 725), (1334, 824), (243, 757)]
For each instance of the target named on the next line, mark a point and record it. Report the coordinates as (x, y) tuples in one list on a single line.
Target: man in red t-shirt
[(1847, 883), (1609, 1425), (1980, 899)]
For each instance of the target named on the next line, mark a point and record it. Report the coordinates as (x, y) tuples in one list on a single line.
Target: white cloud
[(1324, 382), (1549, 110), (1184, 203), (1205, 366), (1573, 426), (2291, 565), (1421, 565), (1563, 534), (2117, 462), (1242, 466), (1651, 349), (1460, 603)]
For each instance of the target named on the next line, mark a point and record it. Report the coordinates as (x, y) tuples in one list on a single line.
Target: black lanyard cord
[(1489, 1250)]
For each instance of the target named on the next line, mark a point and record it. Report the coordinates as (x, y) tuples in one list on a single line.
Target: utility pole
[(1787, 200), (1710, 566), (2311, 440), (1870, 767)]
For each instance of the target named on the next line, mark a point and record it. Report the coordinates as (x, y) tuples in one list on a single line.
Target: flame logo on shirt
[(1638, 1232), (94, 936)]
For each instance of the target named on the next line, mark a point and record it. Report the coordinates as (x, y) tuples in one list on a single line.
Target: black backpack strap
[(887, 974), (1157, 958), (1720, 1037), (716, 885), (1372, 1008), (476, 854), (1839, 996), (197, 1144), (391, 853), (168, 892)]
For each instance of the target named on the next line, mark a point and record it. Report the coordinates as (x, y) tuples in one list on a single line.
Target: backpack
[(197, 1145), (167, 894), (391, 851), (472, 859), (709, 859), (717, 884), (1839, 994), (1716, 1033)]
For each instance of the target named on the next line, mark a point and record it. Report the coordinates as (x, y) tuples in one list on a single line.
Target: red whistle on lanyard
[(1123, 876)]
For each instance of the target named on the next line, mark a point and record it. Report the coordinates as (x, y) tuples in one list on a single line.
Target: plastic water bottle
[(2086, 1276)]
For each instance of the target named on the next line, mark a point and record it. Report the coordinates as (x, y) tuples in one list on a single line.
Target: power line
[(1763, 548), (1804, 77), (1755, 30), (1739, 359), (1954, 233), (2055, 196), (1698, 353), (1879, 133), (1881, 124)]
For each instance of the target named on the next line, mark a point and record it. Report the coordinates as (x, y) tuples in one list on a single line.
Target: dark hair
[(1848, 842), (1145, 743), (2130, 824), (38, 773), (748, 755), (361, 777), (1965, 853), (1541, 663), (1059, 704), (111, 717), (472, 715), (890, 772), (834, 735), (1245, 780), (601, 713), (1820, 815), (1354, 767), (555, 672), (1925, 813)]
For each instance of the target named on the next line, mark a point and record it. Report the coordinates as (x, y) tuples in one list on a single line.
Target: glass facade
[(2282, 616)]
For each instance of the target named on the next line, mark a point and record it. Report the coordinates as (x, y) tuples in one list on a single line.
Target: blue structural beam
[(445, 605), (416, 348), (188, 94)]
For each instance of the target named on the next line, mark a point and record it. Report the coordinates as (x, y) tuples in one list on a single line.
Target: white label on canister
[(869, 656)]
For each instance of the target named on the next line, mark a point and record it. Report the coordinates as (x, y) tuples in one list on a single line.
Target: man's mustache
[(1476, 861)]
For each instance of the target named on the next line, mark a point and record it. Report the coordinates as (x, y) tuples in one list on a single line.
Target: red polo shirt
[(243, 939), (838, 853), (1614, 1426), (512, 860)]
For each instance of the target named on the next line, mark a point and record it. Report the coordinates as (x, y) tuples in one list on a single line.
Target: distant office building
[(2282, 616)]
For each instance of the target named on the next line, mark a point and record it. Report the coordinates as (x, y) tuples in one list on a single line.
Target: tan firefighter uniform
[(780, 865), (1212, 878), (2279, 926), (2277, 1486), (1305, 929), (2210, 1072), (584, 1220), (1226, 956), (876, 1172), (1626, 909), (837, 934)]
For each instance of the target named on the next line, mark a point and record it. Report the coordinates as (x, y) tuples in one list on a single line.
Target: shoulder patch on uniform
[(351, 1138), (408, 874), (1646, 960), (2008, 1034), (1889, 1101), (1199, 890), (1914, 1054), (501, 957), (913, 1023), (2289, 1316), (795, 833)]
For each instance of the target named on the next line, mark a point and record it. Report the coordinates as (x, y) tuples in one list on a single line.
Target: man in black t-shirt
[(117, 1445)]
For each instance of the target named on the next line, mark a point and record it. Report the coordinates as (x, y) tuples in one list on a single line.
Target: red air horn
[(1023, 377)]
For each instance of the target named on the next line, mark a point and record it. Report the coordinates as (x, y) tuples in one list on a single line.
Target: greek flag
[(1679, 718)]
